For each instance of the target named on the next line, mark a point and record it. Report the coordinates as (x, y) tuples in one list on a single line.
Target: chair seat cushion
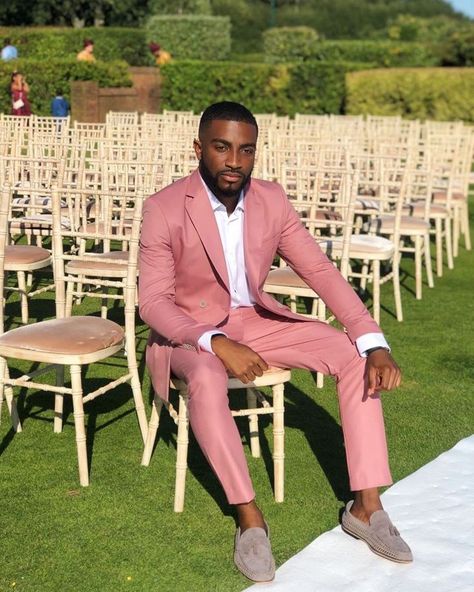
[(418, 209), (17, 255), (285, 276), (362, 245), (408, 225), (442, 196), (72, 336), (96, 267)]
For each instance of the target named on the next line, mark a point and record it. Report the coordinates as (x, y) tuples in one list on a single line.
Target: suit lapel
[(253, 219), (202, 216)]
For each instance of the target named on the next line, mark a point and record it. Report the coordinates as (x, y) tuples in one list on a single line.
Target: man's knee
[(207, 382)]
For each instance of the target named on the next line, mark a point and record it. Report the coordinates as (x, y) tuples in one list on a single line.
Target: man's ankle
[(249, 516)]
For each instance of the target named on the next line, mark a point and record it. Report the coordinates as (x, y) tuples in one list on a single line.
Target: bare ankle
[(249, 515)]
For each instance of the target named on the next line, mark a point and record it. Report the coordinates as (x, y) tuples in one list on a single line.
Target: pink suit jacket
[(183, 282)]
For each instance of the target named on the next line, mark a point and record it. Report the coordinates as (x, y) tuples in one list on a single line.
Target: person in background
[(19, 90), (162, 57), (87, 54), (59, 105), (9, 51)]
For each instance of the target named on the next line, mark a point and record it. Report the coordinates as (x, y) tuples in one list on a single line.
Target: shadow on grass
[(323, 434)]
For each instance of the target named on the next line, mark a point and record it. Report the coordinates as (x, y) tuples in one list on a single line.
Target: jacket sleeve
[(301, 251), (157, 282)]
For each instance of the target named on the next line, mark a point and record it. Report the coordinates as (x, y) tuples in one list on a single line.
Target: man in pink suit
[(207, 244)]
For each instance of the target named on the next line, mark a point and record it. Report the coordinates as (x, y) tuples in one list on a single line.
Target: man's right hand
[(239, 360)]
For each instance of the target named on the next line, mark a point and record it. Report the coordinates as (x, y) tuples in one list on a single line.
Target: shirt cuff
[(204, 341), (370, 340)]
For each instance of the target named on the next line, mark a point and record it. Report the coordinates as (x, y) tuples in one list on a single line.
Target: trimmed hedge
[(192, 36), (44, 78), (435, 93), (288, 44), (309, 87), (110, 43), (282, 45)]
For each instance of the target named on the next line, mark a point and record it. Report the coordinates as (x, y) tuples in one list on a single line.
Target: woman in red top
[(19, 90)]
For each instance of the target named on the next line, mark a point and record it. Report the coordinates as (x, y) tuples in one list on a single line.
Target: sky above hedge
[(465, 6)]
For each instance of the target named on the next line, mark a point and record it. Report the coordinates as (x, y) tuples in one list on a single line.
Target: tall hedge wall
[(311, 87), (428, 93), (45, 76), (192, 36), (289, 44), (110, 43)]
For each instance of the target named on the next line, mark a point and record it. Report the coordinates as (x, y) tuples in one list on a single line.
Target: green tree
[(180, 7)]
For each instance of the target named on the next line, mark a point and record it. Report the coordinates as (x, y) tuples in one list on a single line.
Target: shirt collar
[(216, 204)]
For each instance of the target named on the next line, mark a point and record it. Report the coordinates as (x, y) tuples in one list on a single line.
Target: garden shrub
[(429, 93), (191, 36), (45, 76), (382, 53), (307, 87), (288, 44), (110, 43)]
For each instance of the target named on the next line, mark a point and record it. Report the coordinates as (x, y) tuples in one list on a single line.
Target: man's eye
[(220, 147), (249, 151)]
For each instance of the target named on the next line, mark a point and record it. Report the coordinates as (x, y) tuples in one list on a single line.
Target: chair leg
[(253, 423), (136, 386), (376, 290), (78, 406), (322, 318), (279, 441), (418, 278), (449, 243), (69, 298), (465, 226), (456, 224), (152, 429), (23, 296), (7, 391), (104, 305), (396, 288), (429, 269), (59, 401), (181, 452), (439, 246)]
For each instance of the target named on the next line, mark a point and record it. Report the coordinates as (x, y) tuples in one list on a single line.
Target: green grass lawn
[(120, 534)]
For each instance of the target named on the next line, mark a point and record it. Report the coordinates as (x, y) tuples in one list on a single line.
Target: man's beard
[(211, 181)]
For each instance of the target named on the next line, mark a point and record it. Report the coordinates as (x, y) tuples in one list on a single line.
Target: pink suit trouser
[(284, 343)]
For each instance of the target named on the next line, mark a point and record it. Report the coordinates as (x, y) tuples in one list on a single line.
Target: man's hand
[(239, 360), (382, 372)]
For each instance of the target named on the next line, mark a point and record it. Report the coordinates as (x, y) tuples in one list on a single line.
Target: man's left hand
[(382, 372)]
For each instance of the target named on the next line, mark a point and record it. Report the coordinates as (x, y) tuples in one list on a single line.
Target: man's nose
[(233, 160)]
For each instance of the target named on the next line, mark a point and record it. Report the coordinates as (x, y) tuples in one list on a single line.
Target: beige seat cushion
[(418, 209), (71, 336), (24, 255), (96, 267), (285, 276), (362, 245), (442, 196), (408, 225)]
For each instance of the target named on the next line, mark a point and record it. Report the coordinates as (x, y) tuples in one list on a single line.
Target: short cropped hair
[(227, 111)]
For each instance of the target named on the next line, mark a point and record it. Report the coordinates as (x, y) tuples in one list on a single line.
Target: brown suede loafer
[(253, 554), (380, 534)]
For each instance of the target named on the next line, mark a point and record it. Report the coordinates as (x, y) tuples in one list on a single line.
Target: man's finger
[(372, 379)]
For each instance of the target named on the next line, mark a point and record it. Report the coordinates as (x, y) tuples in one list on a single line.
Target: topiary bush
[(110, 43), (288, 44), (45, 76), (308, 87), (380, 52), (191, 36), (430, 93)]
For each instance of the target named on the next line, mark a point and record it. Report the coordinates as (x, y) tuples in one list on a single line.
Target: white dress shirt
[(231, 232)]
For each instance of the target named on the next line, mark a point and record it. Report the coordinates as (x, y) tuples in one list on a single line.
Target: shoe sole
[(239, 565), (373, 549)]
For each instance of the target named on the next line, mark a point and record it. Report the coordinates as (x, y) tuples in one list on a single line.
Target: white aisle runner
[(434, 510)]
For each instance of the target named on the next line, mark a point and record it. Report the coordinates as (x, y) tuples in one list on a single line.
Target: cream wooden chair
[(274, 378), (74, 341)]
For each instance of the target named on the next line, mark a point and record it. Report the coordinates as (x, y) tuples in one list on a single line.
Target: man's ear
[(197, 148)]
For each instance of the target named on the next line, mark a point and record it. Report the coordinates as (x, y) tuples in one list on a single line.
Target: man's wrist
[(374, 349)]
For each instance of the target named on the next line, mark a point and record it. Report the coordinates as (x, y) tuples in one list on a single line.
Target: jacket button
[(203, 304)]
